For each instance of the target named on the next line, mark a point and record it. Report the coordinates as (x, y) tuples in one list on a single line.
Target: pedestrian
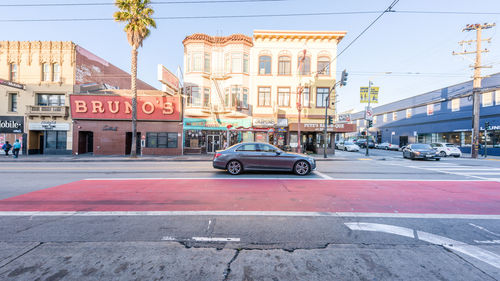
[(6, 147), (17, 147)]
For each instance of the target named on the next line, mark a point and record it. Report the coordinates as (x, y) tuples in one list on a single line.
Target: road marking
[(275, 178), (363, 159), (487, 241), (216, 239), (454, 245), (168, 238), (484, 229), (247, 213), (323, 175)]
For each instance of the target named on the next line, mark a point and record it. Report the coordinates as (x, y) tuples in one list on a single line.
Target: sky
[(404, 54)]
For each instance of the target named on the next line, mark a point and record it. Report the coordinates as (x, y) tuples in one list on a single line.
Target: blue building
[(443, 115)]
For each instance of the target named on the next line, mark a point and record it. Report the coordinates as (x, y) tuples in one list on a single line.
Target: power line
[(154, 3)]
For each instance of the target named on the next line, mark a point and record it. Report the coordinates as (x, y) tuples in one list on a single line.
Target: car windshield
[(348, 143), (421, 146), (450, 145)]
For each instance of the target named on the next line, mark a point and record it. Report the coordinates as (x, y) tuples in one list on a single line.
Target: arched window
[(56, 72), (13, 72), (45, 72), (265, 65), (284, 65), (304, 65), (324, 65)]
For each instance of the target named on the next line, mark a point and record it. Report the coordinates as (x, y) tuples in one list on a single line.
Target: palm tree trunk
[(133, 86)]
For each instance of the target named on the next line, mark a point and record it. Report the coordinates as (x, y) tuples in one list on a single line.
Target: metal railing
[(40, 110)]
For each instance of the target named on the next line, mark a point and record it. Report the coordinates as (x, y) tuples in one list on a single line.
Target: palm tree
[(137, 14)]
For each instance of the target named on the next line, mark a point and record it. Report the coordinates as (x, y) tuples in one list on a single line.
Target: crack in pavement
[(227, 271), (467, 261), (22, 254)]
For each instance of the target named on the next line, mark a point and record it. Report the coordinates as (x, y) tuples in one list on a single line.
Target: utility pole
[(476, 89), (368, 118), (299, 99)]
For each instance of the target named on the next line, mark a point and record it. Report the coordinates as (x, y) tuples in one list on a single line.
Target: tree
[(137, 14)]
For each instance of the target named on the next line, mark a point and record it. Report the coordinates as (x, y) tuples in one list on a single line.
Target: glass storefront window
[(55, 139)]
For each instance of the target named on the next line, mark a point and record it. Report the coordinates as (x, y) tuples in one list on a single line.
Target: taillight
[(217, 155)]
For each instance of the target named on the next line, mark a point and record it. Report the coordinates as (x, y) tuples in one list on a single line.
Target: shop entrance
[(85, 142), (128, 143), (309, 142), (41, 143), (403, 140), (213, 143)]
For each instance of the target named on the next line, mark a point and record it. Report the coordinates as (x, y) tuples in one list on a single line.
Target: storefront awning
[(320, 127)]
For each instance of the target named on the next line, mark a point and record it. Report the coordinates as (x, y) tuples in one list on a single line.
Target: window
[(266, 148), (227, 98), (408, 113), (198, 62), (283, 96), (56, 72), (497, 97), (188, 63), (430, 109), (324, 65), (244, 101), (55, 139), (321, 96), (207, 62), (264, 65), (227, 63), (161, 140), (305, 66), (264, 96), (487, 99), (245, 63), (306, 97), (236, 63), (394, 116), (385, 117), (284, 65), (248, 147), (13, 72), (45, 72), (455, 104), (50, 100), (206, 97), (194, 96), (13, 102), (374, 121), (236, 96)]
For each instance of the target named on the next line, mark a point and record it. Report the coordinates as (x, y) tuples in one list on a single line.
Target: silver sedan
[(250, 156)]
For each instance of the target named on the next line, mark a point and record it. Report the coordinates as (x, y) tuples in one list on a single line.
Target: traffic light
[(330, 120), (486, 125), (363, 133), (370, 123), (343, 78)]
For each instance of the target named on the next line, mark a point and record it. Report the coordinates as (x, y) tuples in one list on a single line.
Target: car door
[(406, 151), (273, 160), (248, 154)]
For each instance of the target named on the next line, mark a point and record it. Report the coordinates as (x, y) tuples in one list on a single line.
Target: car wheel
[(234, 167), (437, 159), (345, 149), (442, 154), (412, 157), (301, 168), (456, 156)]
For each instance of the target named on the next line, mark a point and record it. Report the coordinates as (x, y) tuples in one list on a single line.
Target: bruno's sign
[(11, 124)]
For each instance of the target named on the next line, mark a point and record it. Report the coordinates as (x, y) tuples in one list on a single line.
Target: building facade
[(443, 115), (36, 80), (239, 88)]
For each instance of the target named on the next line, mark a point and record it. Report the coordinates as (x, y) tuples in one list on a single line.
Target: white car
[(348, 146), (388, 146), (446, 149)]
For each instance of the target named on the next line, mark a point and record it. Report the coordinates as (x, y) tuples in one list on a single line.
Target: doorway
[(213, 143), (85, 142), (128, 143), (41, 143), (403, 140)]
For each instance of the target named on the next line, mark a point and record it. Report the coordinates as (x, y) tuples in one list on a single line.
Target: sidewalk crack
[(22, 254), (227, 271), (468, 262)]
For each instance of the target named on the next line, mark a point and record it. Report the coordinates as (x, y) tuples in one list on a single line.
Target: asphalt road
[(378, 218)]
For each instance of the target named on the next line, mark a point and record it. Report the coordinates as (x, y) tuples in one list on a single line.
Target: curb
[(130, 160)]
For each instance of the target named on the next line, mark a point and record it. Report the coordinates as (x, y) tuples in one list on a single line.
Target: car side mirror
[(278, 152)]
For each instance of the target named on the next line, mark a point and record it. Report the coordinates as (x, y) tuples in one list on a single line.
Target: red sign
[(120, 107), (168, 78)]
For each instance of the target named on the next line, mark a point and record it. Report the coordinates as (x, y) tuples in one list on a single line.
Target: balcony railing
[(53, 111)]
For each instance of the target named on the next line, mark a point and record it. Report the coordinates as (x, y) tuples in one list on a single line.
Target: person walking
[(6, 147), (17, 147)]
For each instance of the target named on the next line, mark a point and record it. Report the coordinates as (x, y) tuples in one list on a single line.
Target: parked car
[(446, 149), (388, 146), (250, 156), (362, 143), (420, 151), (348, 146)]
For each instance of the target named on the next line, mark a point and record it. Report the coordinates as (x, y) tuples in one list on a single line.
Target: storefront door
[(213, 143)]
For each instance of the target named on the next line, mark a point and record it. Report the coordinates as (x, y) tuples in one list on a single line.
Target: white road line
[(479, 173), (168, 238), (484, 229), (248, 213), (454, 245), (326, 177), (470, 169), (216, 239), (487, 241)]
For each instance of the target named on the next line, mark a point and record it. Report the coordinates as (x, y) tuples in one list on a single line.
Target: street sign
[(368, 113), (363, 95), (344, 118)]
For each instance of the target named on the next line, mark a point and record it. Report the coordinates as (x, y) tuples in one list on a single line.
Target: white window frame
[(497, 97), (45, 72), (408, 113), (385, 117), (394, 116), (489, 101), (56, 72)]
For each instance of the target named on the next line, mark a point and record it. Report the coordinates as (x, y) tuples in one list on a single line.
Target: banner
[(363, 95)]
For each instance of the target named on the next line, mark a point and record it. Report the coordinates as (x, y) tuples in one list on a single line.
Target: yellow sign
[(363, 95)]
